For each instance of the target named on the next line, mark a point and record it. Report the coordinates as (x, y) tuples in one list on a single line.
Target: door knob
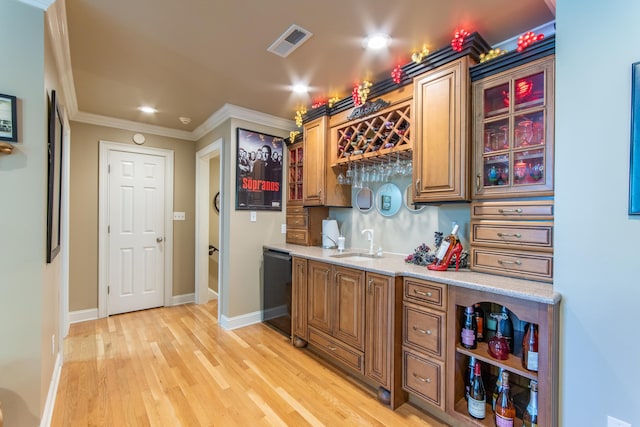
[(159, 239)]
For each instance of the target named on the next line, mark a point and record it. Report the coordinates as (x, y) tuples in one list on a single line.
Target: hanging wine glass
[(341, 178), (348, 174)]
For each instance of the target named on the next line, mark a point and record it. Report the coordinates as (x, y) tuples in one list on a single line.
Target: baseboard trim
[(83, 315), (47, 414), (229, 323), (212, 294), (182, 299)]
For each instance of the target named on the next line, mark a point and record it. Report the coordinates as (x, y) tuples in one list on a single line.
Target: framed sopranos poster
[(258, 171)]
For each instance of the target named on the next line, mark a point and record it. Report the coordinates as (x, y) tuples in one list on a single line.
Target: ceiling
[(189, 58)]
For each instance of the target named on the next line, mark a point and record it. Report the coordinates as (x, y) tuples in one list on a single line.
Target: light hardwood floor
[(175, 366)]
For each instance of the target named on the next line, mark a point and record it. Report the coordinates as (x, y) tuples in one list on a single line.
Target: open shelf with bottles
[(522, 312)]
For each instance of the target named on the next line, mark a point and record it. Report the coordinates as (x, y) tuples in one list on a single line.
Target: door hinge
[(108, 229), (108, 168), (108, 290)]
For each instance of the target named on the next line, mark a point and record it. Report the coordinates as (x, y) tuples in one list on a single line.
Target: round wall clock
[(216, 202)]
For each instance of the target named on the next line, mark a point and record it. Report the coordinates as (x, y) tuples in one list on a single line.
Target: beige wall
[(83, 272), (241, 240)]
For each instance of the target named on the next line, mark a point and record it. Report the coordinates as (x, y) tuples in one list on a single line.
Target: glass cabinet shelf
[(513, 133)]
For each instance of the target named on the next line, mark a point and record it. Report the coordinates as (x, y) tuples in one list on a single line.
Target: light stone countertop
[(394, 265)]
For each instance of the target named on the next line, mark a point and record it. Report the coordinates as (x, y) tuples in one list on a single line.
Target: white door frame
[(103, 206), (203, 205)]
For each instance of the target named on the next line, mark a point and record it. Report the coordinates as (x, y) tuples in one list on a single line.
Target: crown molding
[(228, 111), (40, 4), (56, 18), (98, 120)]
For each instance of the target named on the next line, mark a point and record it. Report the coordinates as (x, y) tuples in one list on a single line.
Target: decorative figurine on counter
[(423, 256), (449, 248)]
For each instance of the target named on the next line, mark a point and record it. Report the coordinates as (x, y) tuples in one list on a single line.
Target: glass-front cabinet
[(295, 172), (513, 132)]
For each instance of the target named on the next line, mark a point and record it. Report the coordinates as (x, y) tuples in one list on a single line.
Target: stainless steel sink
[(356, 256)]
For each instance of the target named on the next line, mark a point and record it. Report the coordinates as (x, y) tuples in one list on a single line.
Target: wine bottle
[(447, 244), (468, 379), (468, 334), (505, 412), (505, 327), (478, 313), (530, 348), (497, 389), (530, 416), (476, 405)]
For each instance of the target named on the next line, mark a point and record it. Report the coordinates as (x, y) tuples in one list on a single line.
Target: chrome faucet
[(369, 232)]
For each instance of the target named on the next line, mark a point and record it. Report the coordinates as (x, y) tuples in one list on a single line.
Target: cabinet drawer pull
[(478, 182), (419, 378), (424, 294), (369, 287), (517, 210), (332, 348), (504, 261), (517, 235), (422, 331)]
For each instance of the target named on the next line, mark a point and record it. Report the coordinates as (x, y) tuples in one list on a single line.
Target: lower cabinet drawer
[(526, 235), (337, 350), (423, 377), (422, 291), (424, 329), (527, 265), (296, 221), (297, 236)]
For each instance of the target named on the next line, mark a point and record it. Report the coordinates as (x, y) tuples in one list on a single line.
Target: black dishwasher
[(276, 290)]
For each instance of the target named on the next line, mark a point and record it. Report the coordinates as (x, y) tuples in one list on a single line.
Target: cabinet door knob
[(159, 239), (419, 378), (422, 331)]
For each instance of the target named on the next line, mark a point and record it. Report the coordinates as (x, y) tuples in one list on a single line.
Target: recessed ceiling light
[(300, 88), (377, 41), (147, 109)]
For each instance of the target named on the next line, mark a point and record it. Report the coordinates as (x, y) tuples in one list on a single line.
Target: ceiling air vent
[(289, 41)]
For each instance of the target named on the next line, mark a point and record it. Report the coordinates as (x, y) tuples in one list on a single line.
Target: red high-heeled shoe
[(444, 263)]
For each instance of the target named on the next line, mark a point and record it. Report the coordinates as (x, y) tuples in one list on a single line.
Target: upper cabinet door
[(315, 162), (441, 137), (513, 132)]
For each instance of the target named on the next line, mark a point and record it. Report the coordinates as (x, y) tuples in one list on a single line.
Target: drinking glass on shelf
[(341, 177)]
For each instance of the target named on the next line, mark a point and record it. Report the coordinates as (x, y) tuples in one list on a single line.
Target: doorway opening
[(206, 219)]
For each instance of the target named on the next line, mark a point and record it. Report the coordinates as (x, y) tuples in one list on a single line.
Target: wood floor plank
[(175, 366)]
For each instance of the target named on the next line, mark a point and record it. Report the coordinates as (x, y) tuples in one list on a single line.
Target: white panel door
[(136, 231)]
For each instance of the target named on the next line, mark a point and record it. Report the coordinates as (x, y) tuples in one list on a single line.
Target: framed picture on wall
[(8, 118), (54, 143), (258, 171)]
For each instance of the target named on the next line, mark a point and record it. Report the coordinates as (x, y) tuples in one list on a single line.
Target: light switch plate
[(283, 228), (179, 216), (253, 216)]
